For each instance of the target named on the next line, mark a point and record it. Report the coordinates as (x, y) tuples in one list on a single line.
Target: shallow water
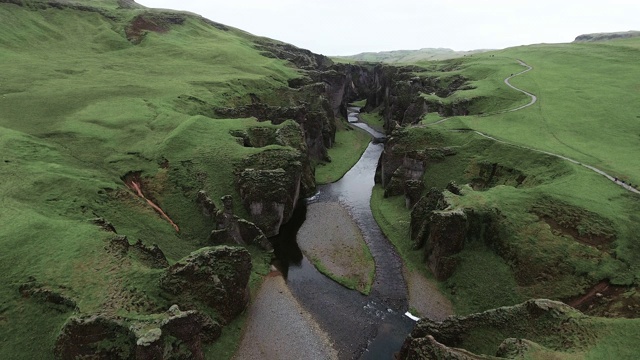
[(361, 327)]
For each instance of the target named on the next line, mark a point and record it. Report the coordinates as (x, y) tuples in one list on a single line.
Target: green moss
[(393, 218), (482, 281), (373, 119), (346, 151), (350, 282)]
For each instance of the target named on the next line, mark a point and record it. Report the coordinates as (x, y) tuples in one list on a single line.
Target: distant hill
[(606, 36), (409, 56)]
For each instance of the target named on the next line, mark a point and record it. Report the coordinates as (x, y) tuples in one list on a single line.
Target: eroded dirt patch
[(582, 225), (142, 24), (493, 174), (134, 182), (608, 300)]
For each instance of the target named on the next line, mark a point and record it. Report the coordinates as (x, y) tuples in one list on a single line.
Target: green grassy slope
[(407, 56), (585, 111), (81, 106), (350, 143)]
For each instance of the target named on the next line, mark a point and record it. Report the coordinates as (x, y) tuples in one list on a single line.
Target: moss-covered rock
[(443, 230), (434, 200), (96, 337), (317, 125), (406, 157), (270, 184), (232, 229), (173, 334), (492, 174), (413, 190), (214, 276), (150, 255), (53, 297), (544, 323), (207, 205), (427, 347)]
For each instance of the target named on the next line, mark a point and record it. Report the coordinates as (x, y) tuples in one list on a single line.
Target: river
[(360, 327)]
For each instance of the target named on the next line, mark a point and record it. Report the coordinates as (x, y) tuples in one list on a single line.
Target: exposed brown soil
[(605, 299), (599, 241), (144, 23), (583, 301), (133, 182)]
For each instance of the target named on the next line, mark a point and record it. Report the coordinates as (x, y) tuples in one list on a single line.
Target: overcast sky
[(347, 27)]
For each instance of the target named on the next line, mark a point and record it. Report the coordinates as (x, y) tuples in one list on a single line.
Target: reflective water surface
[(361, 327)]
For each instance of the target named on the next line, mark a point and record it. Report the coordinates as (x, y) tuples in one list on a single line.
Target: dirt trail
[(592, 168), (135, 186), (534, 99), (599, 288)]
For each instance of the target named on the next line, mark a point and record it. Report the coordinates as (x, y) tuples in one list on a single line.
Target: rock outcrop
[(492, 174), (301, 58), (413, 189), (442, 231), (501, 332), (177, 334), (52, 297), (427, 348), (606, 36), (152, 256), (316, 125), (214, 276), (97, 337), (207, 205), (104, 224), (232, 229), (174, 334), (405, 160), (270, 184), (152, 22)]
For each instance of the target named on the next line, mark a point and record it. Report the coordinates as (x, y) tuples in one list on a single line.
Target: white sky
[(347, 27)]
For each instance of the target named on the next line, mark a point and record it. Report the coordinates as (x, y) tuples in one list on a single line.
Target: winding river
[(360, 327)]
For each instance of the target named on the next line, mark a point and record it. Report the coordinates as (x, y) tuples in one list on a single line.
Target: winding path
[(534, 99)]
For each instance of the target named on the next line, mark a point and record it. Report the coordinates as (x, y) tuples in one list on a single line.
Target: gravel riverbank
[(278, 328), (331, 238), (426, 298)]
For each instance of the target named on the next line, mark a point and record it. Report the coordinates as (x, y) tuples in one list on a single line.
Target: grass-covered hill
[(537, 225), (606, 36), (408, 56), (96, 98)]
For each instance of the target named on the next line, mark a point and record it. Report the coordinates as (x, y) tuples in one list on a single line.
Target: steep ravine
[(360, 327)]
